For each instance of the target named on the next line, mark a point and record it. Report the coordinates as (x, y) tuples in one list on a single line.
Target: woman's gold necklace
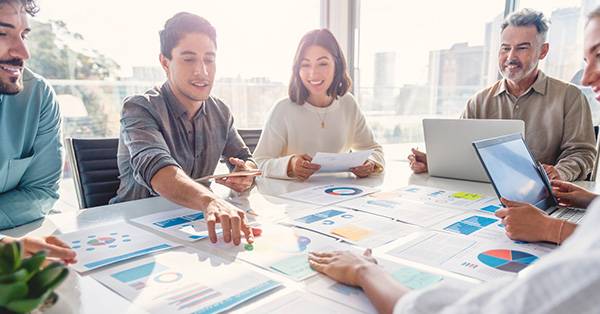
[(322, 119)]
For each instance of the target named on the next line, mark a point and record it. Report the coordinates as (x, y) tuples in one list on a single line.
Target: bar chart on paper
[(183, 223), (172, 283)]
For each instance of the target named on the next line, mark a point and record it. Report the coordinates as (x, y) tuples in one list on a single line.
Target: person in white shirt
[(564, 281), (320, 115)]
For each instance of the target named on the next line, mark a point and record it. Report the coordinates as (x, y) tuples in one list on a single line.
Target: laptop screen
[(513, 171)]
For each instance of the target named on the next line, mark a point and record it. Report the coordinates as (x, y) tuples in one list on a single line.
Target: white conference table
[(82, 294)]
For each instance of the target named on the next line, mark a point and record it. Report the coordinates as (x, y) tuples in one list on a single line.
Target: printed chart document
[(183, 223), (355, 297), (413, 212), (446, 198), (280, 249), (481, 226), (299, 302), (329, 194), (484, 260), (105, 245), (342, 162), (185, 282), (356, 227)]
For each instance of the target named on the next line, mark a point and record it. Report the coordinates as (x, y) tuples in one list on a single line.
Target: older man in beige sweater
[(558, 121)]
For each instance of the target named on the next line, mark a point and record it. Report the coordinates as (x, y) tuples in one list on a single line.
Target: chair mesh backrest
[(97, 169), (250, 137)]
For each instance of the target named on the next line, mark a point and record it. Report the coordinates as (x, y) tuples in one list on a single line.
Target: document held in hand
[(331, 162)]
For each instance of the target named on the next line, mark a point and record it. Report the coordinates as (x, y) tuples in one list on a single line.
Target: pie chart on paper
[(507, 260), (343, 191)]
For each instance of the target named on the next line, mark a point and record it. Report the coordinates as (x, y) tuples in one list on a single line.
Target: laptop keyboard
[(570, 214)]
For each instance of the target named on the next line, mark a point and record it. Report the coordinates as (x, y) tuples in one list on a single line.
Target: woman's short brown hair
[(341, 80)]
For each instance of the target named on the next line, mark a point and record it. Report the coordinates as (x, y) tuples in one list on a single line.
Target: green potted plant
[(25, 284)]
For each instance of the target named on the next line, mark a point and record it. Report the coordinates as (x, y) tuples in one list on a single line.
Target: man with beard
[(558, 121), (30, 140)]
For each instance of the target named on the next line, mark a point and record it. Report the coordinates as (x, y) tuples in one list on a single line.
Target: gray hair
[(528, 17), (593, 14)]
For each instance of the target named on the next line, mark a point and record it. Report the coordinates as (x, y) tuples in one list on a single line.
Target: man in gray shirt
[(558, 120), (175, 133)]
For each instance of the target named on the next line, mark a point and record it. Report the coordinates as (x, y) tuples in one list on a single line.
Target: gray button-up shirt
[(558, 122), (156, 132)]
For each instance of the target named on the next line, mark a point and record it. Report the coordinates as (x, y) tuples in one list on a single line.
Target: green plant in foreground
[(24, 283)]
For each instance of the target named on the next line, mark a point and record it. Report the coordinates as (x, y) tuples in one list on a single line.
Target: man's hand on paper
[(232, 219)]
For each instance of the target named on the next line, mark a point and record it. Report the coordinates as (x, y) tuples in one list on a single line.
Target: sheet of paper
[(185, 281), (105, 245), (484, 260), (445, 198), (183, 223), (332, 162), (329, 194), (280, 249), (356, 298), (356, 227), (409, 211), (299, 302)]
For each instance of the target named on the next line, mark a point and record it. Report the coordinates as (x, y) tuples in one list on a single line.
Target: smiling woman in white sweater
[(320, 115)]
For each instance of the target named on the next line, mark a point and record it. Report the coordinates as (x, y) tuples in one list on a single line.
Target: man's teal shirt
[(30, 152)]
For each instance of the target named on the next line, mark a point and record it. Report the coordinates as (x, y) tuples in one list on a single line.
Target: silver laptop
[(516, 176), (448, 144)]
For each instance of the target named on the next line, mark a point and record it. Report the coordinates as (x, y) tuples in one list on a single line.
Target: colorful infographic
[(105, 245), (355, 227), (481, 259), (480, 227), (185, 281), (409, 211), (183, 223), (329, 194), (280, 249), (343, 191), (441, 197), (470, 224), (507, 260)]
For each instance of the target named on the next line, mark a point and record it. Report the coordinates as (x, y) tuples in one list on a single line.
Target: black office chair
[(95, 170), (250, 137)]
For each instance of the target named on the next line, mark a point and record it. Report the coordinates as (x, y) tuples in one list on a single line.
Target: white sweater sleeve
[(272, 144), (363, 138)]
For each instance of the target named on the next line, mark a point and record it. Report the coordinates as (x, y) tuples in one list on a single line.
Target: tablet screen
[(513, 172)]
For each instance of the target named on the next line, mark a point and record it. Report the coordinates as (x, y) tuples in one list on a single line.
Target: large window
[(421, 59), (96, 53)]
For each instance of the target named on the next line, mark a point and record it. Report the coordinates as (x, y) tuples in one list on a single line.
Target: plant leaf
[(13, 291), (34, 263), (20, 275), (45, 278)]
